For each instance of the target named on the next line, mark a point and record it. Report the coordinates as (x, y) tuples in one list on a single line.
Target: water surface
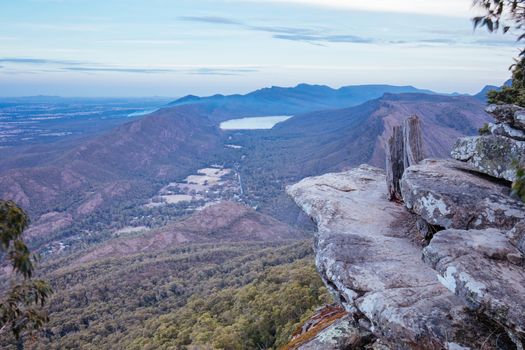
[(254, 123)]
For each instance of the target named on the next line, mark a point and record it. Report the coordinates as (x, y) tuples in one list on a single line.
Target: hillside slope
[(118, 166), (330, 139), (333, 140), (121, 287), (223, 222), (123, 169)]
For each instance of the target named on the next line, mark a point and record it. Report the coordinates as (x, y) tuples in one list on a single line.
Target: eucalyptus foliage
[(504, 16), (21, 304)]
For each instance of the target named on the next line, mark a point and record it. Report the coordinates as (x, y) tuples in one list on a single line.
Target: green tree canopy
[(505, 16), (21, 304)]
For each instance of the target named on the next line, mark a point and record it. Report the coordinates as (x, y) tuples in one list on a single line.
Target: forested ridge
[(227, 296)]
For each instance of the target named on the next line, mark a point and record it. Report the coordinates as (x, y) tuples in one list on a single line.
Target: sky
[(131, 48)]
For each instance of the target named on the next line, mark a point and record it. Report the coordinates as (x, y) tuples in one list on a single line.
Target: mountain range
[(289, 100), (98, 179)]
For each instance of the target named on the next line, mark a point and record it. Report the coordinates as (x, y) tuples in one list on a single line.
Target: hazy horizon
[(159, 97)]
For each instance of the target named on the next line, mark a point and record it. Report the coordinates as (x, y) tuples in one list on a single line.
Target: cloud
[(38, 61), (143, 42), (449, 8), (152, 70), (76, 27), (56, 65), (210, 19), (222, 71), (321, 36), (437, 41), (236, 23), (284, 30), (325, 38), (496, 42), (117, 69), (457, 42), (308, 35)]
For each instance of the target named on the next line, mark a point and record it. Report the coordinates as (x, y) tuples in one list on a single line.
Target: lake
[(253, 123), (140, 113)]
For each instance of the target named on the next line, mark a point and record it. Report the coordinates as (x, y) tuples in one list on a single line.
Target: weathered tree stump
[(412, 141), (404, 148), (395, 163)]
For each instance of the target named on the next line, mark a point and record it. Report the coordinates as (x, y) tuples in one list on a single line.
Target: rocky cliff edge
[(441, 269)]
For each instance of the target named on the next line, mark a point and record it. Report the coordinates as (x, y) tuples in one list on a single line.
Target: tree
[(21, 307), (506, 15)]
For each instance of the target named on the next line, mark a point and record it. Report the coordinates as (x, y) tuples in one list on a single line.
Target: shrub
[(484, 130)]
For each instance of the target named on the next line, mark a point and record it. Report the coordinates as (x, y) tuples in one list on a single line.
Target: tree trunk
[(412, 141), (404, 148), (394, 163)]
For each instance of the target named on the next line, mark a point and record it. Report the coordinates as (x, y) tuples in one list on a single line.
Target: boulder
[(341, 335), (331, 328), (493, 155), (480, 267), (452, 194), (519, 119), (504, 129), (511, 114), (366, 254)]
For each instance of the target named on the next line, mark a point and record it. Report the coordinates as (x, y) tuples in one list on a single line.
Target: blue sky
[(173, 48)]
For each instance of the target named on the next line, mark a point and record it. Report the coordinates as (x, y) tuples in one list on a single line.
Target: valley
[(166, 165), (172, 208), (209, 185)]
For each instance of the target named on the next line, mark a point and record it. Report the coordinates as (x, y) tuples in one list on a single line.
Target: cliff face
[(443, 269)]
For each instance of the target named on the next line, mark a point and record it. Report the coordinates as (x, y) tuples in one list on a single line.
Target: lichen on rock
[(493, 155), (479, 267)]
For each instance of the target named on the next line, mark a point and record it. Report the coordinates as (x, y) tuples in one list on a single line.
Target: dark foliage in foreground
[(21, 303)]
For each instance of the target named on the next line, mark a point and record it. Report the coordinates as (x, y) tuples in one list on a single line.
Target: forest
[(230, 296)]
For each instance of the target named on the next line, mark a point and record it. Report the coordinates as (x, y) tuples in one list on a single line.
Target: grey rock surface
[(511, 114), (452, 194), (517, 236), (504, 129), (519, 119), (343, 334), (475, 265), (492, 154), (366, 255)]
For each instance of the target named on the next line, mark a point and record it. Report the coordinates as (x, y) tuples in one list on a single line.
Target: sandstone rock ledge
[(485, 270), (501, 152), (367, 254), (453, 194)]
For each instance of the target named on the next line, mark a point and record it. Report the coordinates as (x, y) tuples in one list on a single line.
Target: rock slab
[(485, 270), (452, 194), (493, 155), (343, 334), (510, 114), (504, 129)]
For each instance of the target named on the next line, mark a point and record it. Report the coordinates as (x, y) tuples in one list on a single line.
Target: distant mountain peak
[(302, 98), (186, 99)]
